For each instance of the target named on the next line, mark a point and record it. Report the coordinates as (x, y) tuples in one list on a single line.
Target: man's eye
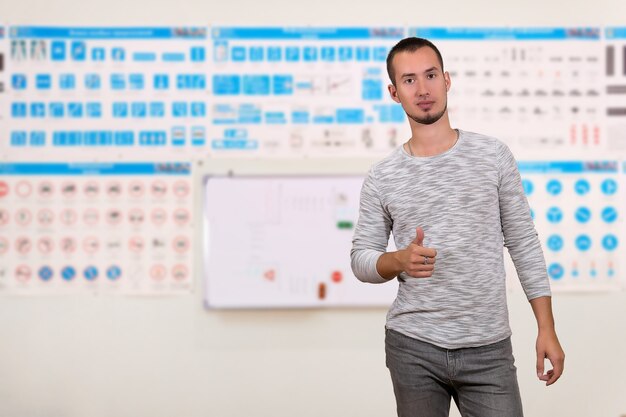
[(409, 81), (431, 76)]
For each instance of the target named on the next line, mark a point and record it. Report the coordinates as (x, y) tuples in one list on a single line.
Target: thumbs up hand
[(416, 260)]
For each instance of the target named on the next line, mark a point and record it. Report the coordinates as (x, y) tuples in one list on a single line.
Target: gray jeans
[(481, 380)]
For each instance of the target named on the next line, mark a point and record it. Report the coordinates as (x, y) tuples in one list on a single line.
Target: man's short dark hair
[(409, 45)]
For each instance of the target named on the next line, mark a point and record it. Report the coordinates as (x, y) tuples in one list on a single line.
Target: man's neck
[(433, 139)]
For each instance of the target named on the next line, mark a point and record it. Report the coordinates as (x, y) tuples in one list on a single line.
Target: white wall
[(110, 356)]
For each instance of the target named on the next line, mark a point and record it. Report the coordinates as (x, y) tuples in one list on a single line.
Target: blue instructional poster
[(615, 82), (140, 95), (2, 72), (116, 228), (540, 90), (289, 91), (134, 93), (578, 209)]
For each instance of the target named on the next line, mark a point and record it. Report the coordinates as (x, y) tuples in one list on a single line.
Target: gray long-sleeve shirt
[(470, 202)]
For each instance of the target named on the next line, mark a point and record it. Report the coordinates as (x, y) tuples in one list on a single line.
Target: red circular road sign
[(45, 189), (91, 189), (158, 189), (23, 217), (158, 216), (180, 272), (158, 272), (91, 216), (4, 189), (23, 189), (181, 216), (45, 217), (136, 244), (136, 216), (45, 245), (68, 245), (181, 189), (136, 189), (23, 273), (68, 216), (114, 189), (68, 189), (23, 245)]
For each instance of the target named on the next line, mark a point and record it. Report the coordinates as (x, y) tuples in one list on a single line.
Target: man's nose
[(420, 89)]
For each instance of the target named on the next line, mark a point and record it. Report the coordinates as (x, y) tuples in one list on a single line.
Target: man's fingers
[(555, 373), (420, 274), (418, 254), (421, 268)]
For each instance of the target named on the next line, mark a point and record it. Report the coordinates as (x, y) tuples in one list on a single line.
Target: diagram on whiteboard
[(284, 242)]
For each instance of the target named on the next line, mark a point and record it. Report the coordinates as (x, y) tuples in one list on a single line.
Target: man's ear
[(446, 76), (393, 93)]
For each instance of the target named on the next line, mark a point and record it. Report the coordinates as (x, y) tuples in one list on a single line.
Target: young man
[(452, 199)]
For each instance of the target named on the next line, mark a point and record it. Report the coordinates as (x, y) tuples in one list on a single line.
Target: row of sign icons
[(557, 271), (158, 272), (581, 187), (91, 216), (91, 189), (91, 244), (583, 242)]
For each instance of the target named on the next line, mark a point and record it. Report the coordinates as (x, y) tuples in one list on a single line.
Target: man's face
[(421, 85)]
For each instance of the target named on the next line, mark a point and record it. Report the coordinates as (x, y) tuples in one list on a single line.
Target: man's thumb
[(540, 368), (419, 237)]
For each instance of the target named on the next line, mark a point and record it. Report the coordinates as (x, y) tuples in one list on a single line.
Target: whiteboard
[(274, 242)]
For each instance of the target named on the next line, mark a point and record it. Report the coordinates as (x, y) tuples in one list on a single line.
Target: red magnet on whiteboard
[(321, 291), (270, 275), (336, 277)]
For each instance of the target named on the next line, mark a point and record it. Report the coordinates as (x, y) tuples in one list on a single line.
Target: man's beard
[(429, 119)]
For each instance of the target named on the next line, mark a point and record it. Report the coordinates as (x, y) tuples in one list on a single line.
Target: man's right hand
[(416, 260)]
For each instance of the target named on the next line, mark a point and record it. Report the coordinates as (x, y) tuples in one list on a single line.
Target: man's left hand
[(548, 347)]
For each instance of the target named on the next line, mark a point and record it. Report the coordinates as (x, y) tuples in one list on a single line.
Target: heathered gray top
[(470, 202)]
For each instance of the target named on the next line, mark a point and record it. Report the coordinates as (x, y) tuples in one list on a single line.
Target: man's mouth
[(425, 105)]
